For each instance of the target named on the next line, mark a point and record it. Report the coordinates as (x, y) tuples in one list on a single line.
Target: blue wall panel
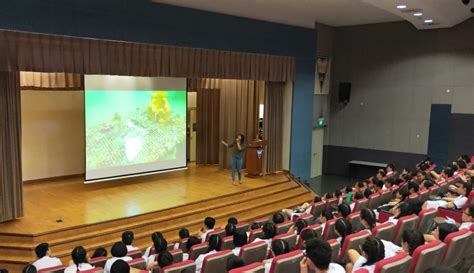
[(438, 140)]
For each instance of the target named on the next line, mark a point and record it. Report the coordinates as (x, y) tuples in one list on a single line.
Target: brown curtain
[(52, 53), (273, 126), (11, 191), (207, 126), (50, 81)]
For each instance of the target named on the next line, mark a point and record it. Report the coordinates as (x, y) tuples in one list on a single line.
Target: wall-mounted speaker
[(344, 92)]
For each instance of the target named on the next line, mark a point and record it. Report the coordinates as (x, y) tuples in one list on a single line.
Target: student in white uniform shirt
[(318, 258), (441, 231), (183, 234), (240, 239), (411, 239), (343, 228), (79, 261), (372, 252), (192, 240), (325, 216), (44, 257), (214, 246), (164, 259), (161, 245), (458, 202), (390, 169), (401, 210), (119, 252), (127, 239), (120, 266), (209, 224), (467, 217), (269, 231), (154, 237), (279, 247)]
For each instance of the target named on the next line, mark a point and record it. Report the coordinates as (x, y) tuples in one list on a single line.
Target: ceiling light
[(417, 14), (428, 21), (401, 7)]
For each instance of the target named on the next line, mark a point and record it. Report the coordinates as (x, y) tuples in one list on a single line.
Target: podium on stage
[(254, 158)]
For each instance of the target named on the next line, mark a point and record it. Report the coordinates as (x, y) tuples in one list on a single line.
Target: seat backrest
[(396, 264), (443, 186), (425, 219), (335, 249), (424, 195), (254, 252), (374, 201), (93, 270), (242, 226), (354, 218), (177, 255), (216, 262), (316, 227), (98, 261), (136, 253), (317, 208), (329, 231), (283, 227), (219, 232), (255, 233), (361, 270), (179, 267), (404, 223), (332, 203), (470, 200), (261, 221), (287, 263), (385, 196), (139, 263), (53, 269), (290, 238), (183, 246), (384, 231), (352, 241), (197, 250), (227, 243), (456, 243), (251, 268), (360, 204), (308, 218), (434, 190), (426, 256)]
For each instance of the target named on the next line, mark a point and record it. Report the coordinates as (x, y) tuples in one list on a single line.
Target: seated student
[(278, 218), (120, 266), (445, 174), (154, 237), (440, 232), (372, 252), (269, 231), (360, 186), (255, 226), (380, 175), (192, 240), (209, 224), (404, 209), (183, 234), (390, 170), (344, 210), (307, 235), (119, 252), (411, 239), (164, 259), (452, 202), (214, 246), (388, 183), (461, 164), (234, 262), (240, 239), (399, 196), (425, 185), (326, 215), (467, 217), (229, 229), (279, 247), (29, 269), (343, 228), (368, 192), (304, 208), (420, 176), (378, 188), (79, 261), (44, 257), (298, 226), (358, 195), (413, 187), (99, 252), (338, 195), (232, 220), (318, 258), (161, 245), (127, 239)]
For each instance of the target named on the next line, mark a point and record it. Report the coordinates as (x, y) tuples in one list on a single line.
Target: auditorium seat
[(426, 256), (426, 218), (216, 262), (354, 218), (360, 204), (242, 226), (53, 269), (451, 213), (177, 255), (456, 244), (335, 249), (287, 263), (413, 196), (254, 252), (317, 208), (396, 264), (219, 232), (183, 246), (290, 238), (136, 253), (308, 218), (424, 195), (352, 241), (98, 261), (434, 190), (197, 250), (138, 263), (404, 223), (384, 231), (443, 186), (385, 196), (227, 242), (332, 203), (374, 201), (261, 221), (256, 233), (283, 227), (180, 267), (317, 228), (93, 270), (361, 270), (329, 231), (251, 268)]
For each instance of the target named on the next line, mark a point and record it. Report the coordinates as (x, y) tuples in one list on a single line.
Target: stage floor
[(61, 204)]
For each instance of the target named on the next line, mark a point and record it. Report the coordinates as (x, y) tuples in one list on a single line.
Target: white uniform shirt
[(130, 248), (268, 265), (336, 268), (82, 267), (111, 261), (200, 259), (236, 251), (466, 225), (46, 262), (204, 235), (359, 264)]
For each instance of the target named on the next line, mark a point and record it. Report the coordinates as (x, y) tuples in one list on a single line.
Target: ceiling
[(304, 13)]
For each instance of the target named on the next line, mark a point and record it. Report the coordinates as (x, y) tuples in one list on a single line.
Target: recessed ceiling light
[(401, 7), (417, 14), (428, 21)]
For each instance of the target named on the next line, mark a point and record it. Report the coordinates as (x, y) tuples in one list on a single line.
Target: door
[(317, 152), (192, 134)]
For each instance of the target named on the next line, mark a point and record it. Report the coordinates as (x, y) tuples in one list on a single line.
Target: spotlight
[(417, 14), (466, 2), (404, 6), (428, 21)]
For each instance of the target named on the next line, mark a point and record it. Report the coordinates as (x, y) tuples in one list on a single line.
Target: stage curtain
[(52, 53), (207, 126), (11, 190), (273, 126), (50, 81)]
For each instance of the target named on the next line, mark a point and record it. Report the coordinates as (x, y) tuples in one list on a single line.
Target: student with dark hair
[(420, 176), (343, 228), (255, 226), (99, 252), (298, 226), (425, 185), (325, 216), (119, 252), (413, 187), (307, 235), (214, 246), (269, 231), (372, 252), (368, 219), (232, 220), (411, 239), (234, 262), (344, 210), (458, 202), (278, 218), (209, 224), (120, 266), (192, 240), (304, 208), (127, 239), (165, 259), (44, 257), (358, 195), (3, 271), (380, 175), (29, 269), (236, 160), (183, 234), (388, 183), (440, 232), (79, 259), (467, 217), (154, 237), (404, 209), (318, 258), (390, 169), (160, 245), (229, 229), (279, 247), (379, 186), (240, 239), (368, 192)]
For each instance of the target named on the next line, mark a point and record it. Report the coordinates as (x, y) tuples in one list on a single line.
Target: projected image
[(133, 127)]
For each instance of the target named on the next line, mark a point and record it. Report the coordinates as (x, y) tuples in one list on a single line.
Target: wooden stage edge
[(95, 215)]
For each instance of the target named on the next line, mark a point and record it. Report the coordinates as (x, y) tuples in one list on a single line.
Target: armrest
[(451, 213)]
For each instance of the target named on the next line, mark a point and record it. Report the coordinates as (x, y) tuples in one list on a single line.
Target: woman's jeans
[(236, 164)]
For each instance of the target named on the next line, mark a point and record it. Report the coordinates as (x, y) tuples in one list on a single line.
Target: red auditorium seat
[(332, 203), (413, 196), (242, 226), (384, 231), (424, 195), (287, 263), (179, 267), (98, 262), (385, 196), (219, 232), (374, 201), (404, 223), (361, 270), (456, 244), (135, 253), (317, 228), (53, 269), (251, 268), (139, 263), (262, 221), (434, 190), (227, 242), (396, 264), (197, 250), (290, 238), (308, 218), (354, 218), (93, 270), (256, 233), (426, 218), (352, 241), (360, 204), (456, 214), (335, 249), (254, 252), (283, 227), (426, 256), (216, 262), (443, 186), (329, 231), (177, 255), (182, 245), (317, 208)]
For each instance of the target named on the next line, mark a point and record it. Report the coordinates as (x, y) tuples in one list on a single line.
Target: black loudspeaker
[(344, 92)]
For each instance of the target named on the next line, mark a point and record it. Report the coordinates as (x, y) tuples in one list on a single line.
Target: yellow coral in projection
[(159, 107)]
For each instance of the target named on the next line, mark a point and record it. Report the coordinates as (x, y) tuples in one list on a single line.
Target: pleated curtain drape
[(11, 191), (207, 126), (273, 126), (51, 81)]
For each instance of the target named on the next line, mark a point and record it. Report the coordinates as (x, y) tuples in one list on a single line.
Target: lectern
[(254, 158)]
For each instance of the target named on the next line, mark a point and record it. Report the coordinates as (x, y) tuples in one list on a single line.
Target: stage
[(67, 212)]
